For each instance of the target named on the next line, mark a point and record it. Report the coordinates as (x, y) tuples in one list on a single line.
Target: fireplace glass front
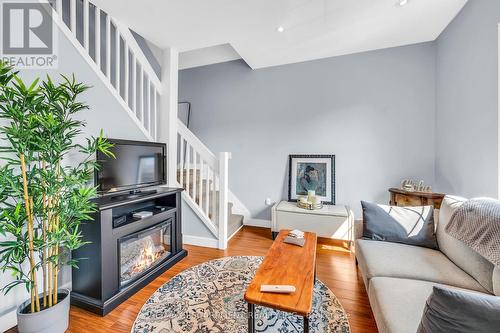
[(143, 250)]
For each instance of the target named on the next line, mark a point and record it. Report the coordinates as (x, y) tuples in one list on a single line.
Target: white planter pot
[(51, 320)]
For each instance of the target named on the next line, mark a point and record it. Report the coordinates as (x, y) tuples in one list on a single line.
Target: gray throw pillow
[(407, 225), (457, 311)]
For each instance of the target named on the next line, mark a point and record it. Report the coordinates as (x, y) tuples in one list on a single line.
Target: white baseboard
[(8, 320), (200, 241), (234, 233), (257, 223)]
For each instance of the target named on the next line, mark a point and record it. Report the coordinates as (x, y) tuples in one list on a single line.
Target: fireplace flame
[(148, 257)]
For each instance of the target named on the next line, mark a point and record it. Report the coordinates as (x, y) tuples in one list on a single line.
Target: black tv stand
[(98, 285)]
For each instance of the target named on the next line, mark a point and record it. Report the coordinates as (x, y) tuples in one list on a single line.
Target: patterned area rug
[(209, 298)]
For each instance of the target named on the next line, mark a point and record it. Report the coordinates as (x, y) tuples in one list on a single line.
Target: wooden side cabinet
[(400, 197)]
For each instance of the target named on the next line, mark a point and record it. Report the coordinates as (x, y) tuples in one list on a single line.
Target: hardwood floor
[(335, 267)]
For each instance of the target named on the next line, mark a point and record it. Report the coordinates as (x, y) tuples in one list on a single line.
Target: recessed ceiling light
[(280, 29), (402, 3)]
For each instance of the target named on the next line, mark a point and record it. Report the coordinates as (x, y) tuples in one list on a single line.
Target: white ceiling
[(207, 56), (313, 28)]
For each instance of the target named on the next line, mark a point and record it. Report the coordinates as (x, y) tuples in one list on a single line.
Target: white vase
[(51, 320)]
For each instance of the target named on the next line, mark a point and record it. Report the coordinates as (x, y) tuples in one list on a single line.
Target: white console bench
[(332, 221)]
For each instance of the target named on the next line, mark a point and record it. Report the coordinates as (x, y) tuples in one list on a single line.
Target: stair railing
[(204, 177), (113, 52)]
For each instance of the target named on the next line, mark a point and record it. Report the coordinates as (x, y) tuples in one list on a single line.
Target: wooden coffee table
[(285, 264)]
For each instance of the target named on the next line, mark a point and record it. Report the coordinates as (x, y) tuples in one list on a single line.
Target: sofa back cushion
[(407, 225), (462, 255)]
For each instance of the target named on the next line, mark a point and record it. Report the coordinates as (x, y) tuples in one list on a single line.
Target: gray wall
[(467, 107), (374, 110)]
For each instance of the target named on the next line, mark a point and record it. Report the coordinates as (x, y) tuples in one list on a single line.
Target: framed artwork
[(312, 172)]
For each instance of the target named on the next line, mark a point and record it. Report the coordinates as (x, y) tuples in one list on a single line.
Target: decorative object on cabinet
[(412, 185)]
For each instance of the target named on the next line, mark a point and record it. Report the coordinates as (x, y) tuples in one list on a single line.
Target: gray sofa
[(399, 278)]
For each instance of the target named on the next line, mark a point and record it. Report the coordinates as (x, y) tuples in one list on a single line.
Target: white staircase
[(204, 177), (113, 53)]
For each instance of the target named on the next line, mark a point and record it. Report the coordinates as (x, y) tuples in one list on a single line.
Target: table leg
[(251, 318), (306, 324)]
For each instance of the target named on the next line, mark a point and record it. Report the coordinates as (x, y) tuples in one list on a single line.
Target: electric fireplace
[(142, 250)]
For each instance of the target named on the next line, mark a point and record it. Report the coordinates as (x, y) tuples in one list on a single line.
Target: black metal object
[(333, 192), (306, 324), (96, 284), (188, 120), (251, 320)]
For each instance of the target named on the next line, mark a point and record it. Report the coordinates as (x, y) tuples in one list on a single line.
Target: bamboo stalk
[(44, 236), (34, 307), (49, 277), (56, 267), (56, 274), (49, 250)]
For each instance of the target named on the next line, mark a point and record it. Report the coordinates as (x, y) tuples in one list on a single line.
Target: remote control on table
[(279, 289)]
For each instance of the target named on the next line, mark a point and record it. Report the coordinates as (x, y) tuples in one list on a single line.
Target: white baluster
[(214, 198), (147, 123), (86, 25), (181, 161), (117, 59), (97, 45), (200, 188), (125, 76), (155, 113), (207, 191), (134, 84), (188, 167), (73, 16), (195, 171), (141, 92), (108, 47)]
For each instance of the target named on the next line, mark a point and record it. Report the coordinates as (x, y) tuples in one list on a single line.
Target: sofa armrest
[(358, 229)]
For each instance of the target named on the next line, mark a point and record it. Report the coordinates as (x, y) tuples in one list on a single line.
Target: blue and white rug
[(209, 298)]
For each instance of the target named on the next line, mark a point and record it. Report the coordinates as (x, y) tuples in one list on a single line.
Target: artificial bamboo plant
[(43, 196)]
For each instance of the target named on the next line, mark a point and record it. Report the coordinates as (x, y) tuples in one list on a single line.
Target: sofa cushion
[(459, 311), (407, 225), (398, 304), (412, 262), (496, 281), (462, 255)]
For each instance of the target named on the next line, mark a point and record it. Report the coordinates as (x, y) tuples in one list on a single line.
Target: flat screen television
[(136, 165)]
